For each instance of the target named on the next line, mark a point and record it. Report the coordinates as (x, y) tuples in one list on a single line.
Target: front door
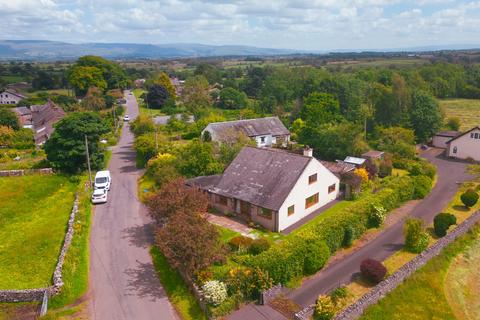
[(245, 209)]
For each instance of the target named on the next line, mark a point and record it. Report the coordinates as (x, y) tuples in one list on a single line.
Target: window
[(476, 135), (332, 188), (311, 201), (262, 139), (266, 213), (312, 178), (455, 149), (472, 135), (291, 210), (222, 200)]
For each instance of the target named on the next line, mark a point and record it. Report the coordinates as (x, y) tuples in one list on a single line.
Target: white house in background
[(440, 139), (11, 97), (466, 145), (271, 187), (265, 131)]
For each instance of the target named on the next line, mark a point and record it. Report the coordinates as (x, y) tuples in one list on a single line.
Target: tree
[(397, 141), (142, 124), (453, 123), (332, 142), (8, 118), (231, 98), (469, 198), (94, 100), (197, 159), (157, 96), (425, 116), (66, 147), (320, 108), (164, 80), (373, 270), (325, 308), (196, 94), (6, 136), (114, 76), (442, 222), (189, 242), (162, 168), (416, 239), (173, 198), (81, 78)]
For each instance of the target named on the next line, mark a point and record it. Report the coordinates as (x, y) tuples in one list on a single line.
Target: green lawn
[(33, 216), (176, 289), (422, 296), (468, 110), (28, 159), (12, 78)]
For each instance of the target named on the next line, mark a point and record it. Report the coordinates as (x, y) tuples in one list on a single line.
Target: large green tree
[(83, 77), (66, 147), (8, 118), (334, 141), (319, 108), (231, 98), (425, 115)]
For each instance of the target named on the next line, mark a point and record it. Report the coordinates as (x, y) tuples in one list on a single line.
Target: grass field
[(33, 217), (178, 293), (468, 110)]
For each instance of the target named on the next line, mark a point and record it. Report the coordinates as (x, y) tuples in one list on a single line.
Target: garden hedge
[(286, 260)]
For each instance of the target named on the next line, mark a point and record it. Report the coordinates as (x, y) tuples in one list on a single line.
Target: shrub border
[(356, 309)]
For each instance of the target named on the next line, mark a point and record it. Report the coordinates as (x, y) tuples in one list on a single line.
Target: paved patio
[(229, 223)]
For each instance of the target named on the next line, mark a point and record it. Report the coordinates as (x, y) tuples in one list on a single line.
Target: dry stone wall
[(356, 309), (24, 172), (36, 294)]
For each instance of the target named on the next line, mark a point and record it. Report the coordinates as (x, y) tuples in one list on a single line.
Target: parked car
[(126, 118), (103, 180), (99, 196)]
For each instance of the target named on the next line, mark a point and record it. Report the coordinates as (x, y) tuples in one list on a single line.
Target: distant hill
[(53, 50)]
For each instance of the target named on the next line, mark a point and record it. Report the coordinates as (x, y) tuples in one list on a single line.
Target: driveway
[(123, 281), (450, 175)]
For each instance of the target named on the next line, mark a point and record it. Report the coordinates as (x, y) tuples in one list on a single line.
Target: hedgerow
[(286, 260)]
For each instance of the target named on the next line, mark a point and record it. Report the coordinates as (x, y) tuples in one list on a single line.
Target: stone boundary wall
[(24, 172), (270, 294), (356, 309), (36, 294)]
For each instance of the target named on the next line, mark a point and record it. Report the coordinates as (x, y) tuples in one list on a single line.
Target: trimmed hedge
[(286, 260)]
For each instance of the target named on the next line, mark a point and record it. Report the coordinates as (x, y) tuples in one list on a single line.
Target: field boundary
[(24, 172), (356, 309), (36, 294)]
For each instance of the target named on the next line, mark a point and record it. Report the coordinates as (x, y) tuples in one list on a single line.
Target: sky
[(295, 24)]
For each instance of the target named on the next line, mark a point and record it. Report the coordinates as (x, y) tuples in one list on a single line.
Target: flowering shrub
[(362, 173), (248, 282), (215, 292), (324, 309), (377, 216)]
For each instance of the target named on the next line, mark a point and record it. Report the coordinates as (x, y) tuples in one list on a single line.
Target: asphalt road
[(123, 281), (450, 174)]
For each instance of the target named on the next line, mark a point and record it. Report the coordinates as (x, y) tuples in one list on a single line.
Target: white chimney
[(308, 152)]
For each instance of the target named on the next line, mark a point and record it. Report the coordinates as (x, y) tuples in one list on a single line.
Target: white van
[(103, 180)]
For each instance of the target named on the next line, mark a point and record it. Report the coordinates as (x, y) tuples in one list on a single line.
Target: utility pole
[(88, 162), (114, 117)]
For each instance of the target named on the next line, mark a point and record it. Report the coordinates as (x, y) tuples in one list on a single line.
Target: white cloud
[(314, 24)]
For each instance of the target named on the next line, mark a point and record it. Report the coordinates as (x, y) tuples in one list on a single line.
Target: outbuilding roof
[(355, 160), (250, 127), (448, 134), (263, 177), (374, 154)]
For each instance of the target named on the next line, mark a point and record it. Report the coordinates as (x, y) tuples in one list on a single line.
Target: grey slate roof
[(339, 167), (263, 177), (373, 154), (250, 127), (448, 134)]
